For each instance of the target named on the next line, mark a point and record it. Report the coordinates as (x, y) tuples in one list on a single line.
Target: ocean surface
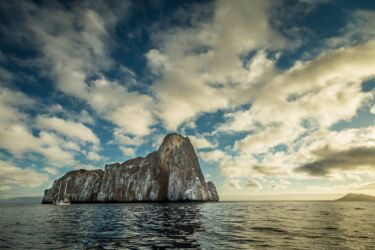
[(223, 225)]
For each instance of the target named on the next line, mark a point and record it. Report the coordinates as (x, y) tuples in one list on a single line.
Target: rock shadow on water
[(174, 225)]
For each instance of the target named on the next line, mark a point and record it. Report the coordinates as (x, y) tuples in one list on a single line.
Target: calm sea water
[(223, 225)]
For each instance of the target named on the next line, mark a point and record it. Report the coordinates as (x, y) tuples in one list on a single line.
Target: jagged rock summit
[(172, 173)]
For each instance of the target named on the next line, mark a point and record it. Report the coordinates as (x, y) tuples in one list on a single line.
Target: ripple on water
[(269, 229), (223, 225)]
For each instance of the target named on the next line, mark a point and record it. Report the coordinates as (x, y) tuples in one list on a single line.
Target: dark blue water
[(223, 225)]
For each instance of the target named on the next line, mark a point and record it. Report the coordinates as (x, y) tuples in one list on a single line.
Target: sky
[(277, 97)]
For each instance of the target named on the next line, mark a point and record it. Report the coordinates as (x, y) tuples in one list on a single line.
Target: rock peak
[(172, 139), (173, 135)]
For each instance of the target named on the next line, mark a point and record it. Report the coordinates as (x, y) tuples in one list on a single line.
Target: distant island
[(172, 173), (356, 197), (21, 200)]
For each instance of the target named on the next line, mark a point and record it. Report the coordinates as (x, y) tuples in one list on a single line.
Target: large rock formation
[(170, 174)]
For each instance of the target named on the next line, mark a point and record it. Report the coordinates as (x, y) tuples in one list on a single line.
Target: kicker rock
[(172, 173)]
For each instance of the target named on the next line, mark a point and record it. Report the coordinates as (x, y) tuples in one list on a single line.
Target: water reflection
[(116, 226), (170, 225)]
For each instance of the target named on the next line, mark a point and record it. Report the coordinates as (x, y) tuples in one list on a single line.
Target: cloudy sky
[(278, 97)]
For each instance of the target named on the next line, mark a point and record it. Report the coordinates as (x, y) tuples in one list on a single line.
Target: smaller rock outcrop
[(211, 192), (172, 173), (77, 186)]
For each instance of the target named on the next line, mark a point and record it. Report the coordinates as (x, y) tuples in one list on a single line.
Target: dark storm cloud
[(329, 161), (268, 170)]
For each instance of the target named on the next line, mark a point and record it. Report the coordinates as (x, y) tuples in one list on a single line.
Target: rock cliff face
[(178, 158), (170, 174), (139, 179), (77, 186)]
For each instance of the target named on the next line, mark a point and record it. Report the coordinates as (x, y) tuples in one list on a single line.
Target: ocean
[(222, 225)]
